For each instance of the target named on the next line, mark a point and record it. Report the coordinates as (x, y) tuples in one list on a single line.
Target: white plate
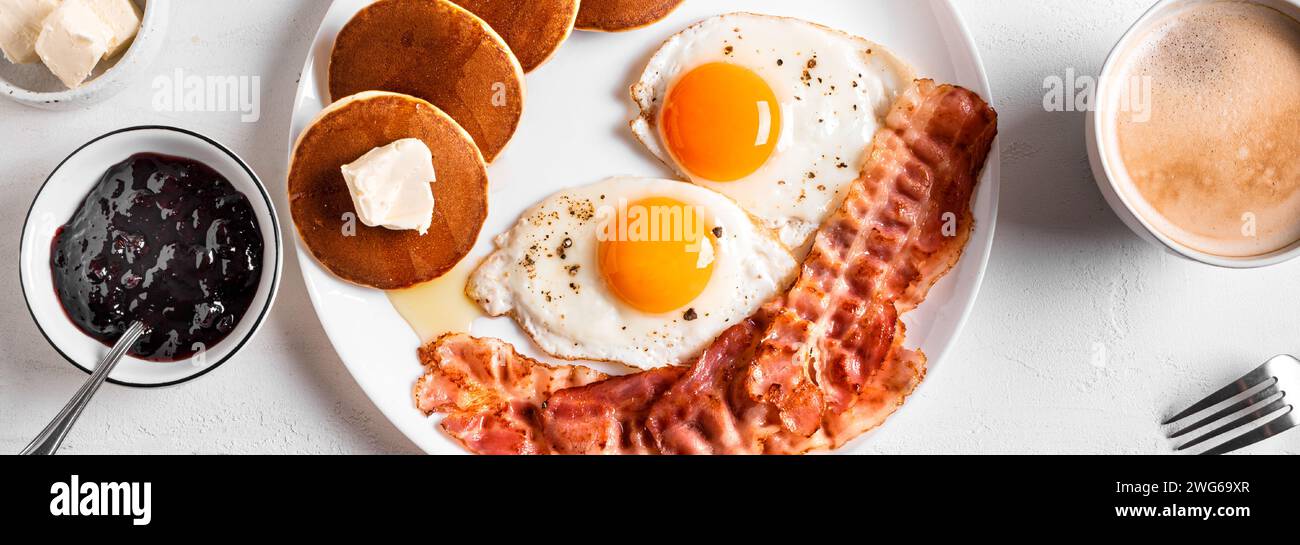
[(574, 132), (65, 190)]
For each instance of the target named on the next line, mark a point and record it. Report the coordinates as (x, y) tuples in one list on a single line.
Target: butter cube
[(390, 186), (20, 24), (122, 17), (72, 41)]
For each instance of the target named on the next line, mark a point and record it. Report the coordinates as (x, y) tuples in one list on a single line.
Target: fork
[(1268, 385)]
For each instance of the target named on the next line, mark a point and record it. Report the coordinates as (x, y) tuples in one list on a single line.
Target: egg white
[(545, 273), (830, 110)]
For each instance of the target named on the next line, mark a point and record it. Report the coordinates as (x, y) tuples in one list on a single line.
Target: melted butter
[(440, 306)]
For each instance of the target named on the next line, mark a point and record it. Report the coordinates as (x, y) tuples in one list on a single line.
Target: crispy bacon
[(491, 393), (813, 369), (607, 417), (877, 256)]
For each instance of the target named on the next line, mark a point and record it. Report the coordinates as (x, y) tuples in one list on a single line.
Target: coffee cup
[(1229, 200)]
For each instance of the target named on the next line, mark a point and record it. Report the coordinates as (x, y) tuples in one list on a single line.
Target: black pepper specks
[(562, 251)]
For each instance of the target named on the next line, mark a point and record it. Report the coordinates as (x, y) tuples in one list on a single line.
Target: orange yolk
[(661, 272), (721, 122)]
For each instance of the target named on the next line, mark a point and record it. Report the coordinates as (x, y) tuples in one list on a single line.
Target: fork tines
[(1267, 388)]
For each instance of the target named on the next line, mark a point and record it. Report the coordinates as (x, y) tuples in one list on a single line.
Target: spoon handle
[(52, 436)]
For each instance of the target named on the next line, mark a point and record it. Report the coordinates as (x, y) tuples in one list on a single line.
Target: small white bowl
[(65, 190), (1115, 184), (34, 85)]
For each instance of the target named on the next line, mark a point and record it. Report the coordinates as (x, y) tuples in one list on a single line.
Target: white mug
[(1114, 181)]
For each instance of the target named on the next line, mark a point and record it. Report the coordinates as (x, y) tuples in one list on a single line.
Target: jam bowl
[(158, 224)]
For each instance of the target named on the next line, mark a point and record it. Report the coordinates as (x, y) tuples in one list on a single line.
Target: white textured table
[(1082, 338)]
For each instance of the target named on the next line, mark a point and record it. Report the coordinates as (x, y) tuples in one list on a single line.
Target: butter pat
[(20, 24), (73, 39), (390, 186), (122, 17)]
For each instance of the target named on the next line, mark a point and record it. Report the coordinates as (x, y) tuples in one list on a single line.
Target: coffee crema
[(1217, 157)]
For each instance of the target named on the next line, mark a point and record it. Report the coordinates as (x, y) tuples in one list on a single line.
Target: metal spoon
[(52, 436)]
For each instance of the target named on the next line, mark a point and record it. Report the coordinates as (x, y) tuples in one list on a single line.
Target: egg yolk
[(660, 256), (721, 122)]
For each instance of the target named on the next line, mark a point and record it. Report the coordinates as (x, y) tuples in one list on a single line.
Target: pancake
[(375, 256), (621, 15), (534, 32), (437, 51)]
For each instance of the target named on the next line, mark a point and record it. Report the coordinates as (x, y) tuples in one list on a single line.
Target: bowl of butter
[(67, 54)]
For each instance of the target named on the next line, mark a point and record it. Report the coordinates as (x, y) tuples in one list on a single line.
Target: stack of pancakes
[(450, 73)]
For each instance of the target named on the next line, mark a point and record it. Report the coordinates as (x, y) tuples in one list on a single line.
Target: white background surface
[(1083, 338)]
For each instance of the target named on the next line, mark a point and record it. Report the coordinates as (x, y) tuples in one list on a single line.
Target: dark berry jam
[(164, 240)]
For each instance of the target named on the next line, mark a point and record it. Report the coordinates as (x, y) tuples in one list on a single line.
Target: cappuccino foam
[(1217, 157)]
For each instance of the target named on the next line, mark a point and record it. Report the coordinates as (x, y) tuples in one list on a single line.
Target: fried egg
[(775, 113), (643, 272)]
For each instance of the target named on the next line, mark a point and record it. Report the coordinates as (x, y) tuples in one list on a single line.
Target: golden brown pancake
[(534, 30), (620, 15), (438, 51), (375, 256)]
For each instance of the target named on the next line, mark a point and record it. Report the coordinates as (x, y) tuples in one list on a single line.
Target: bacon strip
[(491, 393), (813, 369), (876, 257)]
